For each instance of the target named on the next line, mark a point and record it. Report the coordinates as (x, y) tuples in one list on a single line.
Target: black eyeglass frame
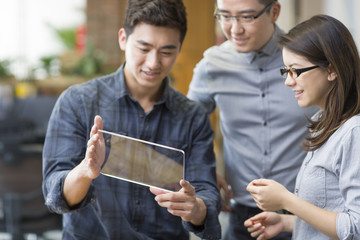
[(237, 18), (285, 71)]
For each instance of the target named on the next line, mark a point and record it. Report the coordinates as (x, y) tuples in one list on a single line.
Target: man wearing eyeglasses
[(261, 124)]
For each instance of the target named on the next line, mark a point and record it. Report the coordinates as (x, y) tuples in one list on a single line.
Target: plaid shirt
[(116, 209)]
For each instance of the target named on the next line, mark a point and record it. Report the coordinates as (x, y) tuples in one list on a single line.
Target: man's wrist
[(199, 218)]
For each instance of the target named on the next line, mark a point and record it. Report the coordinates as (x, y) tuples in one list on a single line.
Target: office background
[(46, 46)]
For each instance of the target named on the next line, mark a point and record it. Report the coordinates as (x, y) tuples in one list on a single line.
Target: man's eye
[(247, 17), (143, 50), (166, 53), (226, 16)]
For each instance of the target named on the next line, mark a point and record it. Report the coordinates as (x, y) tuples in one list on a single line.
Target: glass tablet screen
[(143, 162)]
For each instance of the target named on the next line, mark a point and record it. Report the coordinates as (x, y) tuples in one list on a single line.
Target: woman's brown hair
[(326, 42)]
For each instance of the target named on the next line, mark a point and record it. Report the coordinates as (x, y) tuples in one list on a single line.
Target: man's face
[(251, 36), (150, 53)]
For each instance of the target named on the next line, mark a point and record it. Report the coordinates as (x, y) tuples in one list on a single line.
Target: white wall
[(286, 19), (347, 11)]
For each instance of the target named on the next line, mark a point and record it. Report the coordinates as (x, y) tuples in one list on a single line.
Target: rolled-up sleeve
[(64, 148), (348, 221)]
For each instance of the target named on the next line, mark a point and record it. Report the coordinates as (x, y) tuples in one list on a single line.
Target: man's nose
[(153, 60)]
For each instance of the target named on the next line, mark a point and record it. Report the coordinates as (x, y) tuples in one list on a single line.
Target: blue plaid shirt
[(116, 209)]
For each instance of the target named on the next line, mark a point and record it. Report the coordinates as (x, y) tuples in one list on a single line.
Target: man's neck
[(146, 97)]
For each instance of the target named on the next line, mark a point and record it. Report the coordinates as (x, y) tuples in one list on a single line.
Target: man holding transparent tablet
[(136, 102)]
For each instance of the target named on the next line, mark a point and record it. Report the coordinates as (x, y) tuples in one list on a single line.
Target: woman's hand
[(266, 225), (268, 195)]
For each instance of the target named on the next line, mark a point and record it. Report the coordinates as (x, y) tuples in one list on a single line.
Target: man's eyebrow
[(239, 12), (170, 46)]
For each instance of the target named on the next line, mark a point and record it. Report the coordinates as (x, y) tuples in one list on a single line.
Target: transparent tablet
[(143, 162)]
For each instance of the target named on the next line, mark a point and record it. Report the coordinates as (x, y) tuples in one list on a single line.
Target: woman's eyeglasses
[(294, 73)]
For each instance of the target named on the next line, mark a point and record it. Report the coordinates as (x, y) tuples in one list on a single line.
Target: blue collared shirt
[(329, 179), (261, 123), (116, 209)]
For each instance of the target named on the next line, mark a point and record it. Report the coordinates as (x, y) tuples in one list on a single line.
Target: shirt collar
[(270, 48), (122, 89)]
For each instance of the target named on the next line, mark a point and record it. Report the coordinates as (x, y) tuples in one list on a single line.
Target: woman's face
[(310, 87)]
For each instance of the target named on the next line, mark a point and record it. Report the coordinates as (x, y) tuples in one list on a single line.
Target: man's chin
[(242, 48)]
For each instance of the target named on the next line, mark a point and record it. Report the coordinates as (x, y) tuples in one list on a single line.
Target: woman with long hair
[(322, 67)]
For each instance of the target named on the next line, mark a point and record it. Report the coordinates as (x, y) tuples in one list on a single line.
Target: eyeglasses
[(294, 73), (243, 19)]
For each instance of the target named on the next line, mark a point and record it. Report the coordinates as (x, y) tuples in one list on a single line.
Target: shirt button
[(265, 123), (141, 115), (265, 153), (261, 69), (137, 202), (263, 95)]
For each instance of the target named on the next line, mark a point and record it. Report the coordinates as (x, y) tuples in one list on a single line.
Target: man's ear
[(122, 39), (275, 11), (332, 74)]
